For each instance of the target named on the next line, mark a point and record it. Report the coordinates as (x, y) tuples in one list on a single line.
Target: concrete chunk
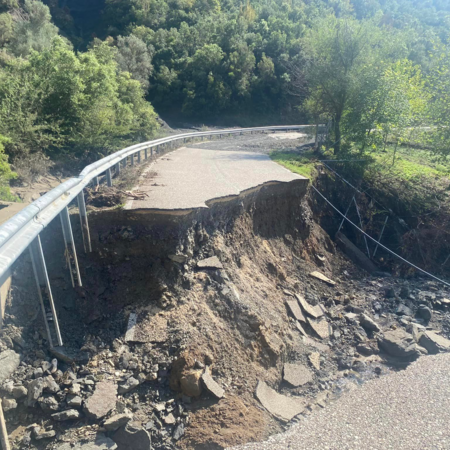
[(282, 407), (297, 374), (131, 328), (102, 401), (307, 308), (9, 362), (434, 343), (295, 310), (320, 276), (210, 263), (320, 327), (212, 386)]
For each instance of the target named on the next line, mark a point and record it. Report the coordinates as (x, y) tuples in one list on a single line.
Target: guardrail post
[(108, 177), (117, 169), (146, 154), (84, 223), (95, 181), (132, 159), (139, 156), (124, 163), (71, 253), (151, 152), (44, 289)]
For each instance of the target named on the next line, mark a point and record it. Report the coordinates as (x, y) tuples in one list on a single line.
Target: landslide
[(229, 316)]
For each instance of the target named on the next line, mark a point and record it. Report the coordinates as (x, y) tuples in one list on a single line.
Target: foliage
[(303, 164), (6, 174)]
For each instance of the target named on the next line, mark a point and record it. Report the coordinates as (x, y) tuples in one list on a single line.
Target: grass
[(303, 164)]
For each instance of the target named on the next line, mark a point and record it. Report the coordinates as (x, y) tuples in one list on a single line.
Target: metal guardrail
[(22, 230)]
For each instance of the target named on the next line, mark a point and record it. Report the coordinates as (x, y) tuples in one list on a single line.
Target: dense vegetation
[(78, 77)]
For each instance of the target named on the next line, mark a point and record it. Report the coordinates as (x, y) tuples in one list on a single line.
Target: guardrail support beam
[(71, 253), (132, 159), (117, 169), (146, 153), (95, 181), (108, 177), (139, 156), (44, 289), (84, 223)]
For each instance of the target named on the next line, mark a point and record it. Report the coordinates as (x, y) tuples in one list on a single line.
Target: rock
[(320, 327), (45, 435), (210, 263), (190, 383), (131, 437), (403, 310), (300, 328), (178, 258), (404, 291), (314, 359), (54, 366), (38, 373), (35, 389), (101, 443), (50, 385), (62, 354), (212, 386), (8, 404), (320, 276), (169, 419), (297, 374), (75, 389), (309, 310), (19, 392), (368, 324), (128, 386), (178, 432), (9, 362), (117, 421), (48, 404), (400, 344), (434, 343), (70, 414), (295, 310), (280, 406), (389, 292), (351, 317), (424, 312), (102, 401), (75, 401), (366, 349)]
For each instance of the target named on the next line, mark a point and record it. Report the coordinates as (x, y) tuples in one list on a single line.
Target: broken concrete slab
[(132, 437), (117, 421), (295, 310), (300, 328), (311, 342), (297, 374), (282, 407), (434, 343), (210, 263), (102, 401), (314, 359), (321, 328), (306, 307), (9, 362), (101, 443), (320, 276), (212, 386)]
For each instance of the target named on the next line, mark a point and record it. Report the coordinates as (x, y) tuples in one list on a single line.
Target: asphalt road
[(188, 177), (408, 410)]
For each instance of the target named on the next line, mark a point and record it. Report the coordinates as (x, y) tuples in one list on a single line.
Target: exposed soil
[(232, 319)]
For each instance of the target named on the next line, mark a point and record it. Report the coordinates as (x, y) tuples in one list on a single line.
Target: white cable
[(381, 245)]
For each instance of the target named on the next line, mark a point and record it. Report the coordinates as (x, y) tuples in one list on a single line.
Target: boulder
[(190, 383), (70, 414), (212, 386), (8, 404), (128, 385), (434, 343), (400, 344), (9, 362), (102, 401), (403, 310), (132, 437), (368, 324), (424, 312)]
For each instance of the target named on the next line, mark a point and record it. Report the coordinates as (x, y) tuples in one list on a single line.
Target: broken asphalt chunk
[(297, 374), (320, 276)]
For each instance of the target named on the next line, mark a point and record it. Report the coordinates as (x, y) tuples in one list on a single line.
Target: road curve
[(407, 410)]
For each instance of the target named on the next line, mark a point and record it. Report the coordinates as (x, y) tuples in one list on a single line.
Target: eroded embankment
[(231, 316)]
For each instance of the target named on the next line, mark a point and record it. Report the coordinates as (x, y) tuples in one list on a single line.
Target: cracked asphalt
[(407, 410)]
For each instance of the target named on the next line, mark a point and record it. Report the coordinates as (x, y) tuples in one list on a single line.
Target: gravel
[(405, 410)]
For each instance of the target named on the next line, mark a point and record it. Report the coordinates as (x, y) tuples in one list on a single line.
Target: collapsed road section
[(203, 327)]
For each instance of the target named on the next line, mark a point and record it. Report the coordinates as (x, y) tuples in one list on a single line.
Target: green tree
[(135, 57), (32, 30)]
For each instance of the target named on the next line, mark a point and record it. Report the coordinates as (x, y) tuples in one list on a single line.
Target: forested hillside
[(80, 78)]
